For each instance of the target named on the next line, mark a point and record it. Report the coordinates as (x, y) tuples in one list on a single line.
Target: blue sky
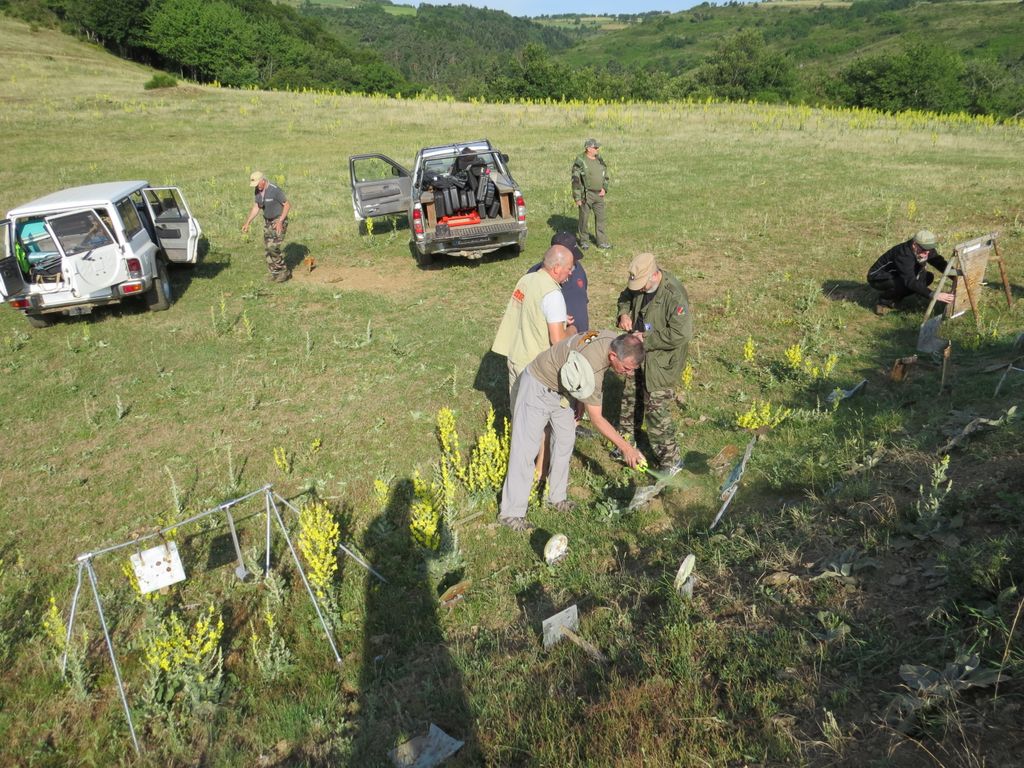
[(538, 7)]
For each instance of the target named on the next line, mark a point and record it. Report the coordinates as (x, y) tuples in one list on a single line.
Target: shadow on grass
[(851, 291), (294, 254), (408, 679), (561, 223), (492, 380), (444, 260)]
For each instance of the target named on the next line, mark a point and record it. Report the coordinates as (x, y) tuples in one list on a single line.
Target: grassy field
[(844, 556)]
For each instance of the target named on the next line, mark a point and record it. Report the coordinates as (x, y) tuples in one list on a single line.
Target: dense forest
[(936, 55)]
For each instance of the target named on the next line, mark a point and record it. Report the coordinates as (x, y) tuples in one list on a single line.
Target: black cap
[(568, 239)]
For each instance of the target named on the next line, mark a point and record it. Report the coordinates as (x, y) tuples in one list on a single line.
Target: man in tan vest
[(534, 320), (535, 317)]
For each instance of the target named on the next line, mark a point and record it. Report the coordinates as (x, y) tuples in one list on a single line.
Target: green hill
[(821, 37)]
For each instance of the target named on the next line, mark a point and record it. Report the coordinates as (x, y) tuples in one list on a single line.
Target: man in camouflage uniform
[(270, 199), (655, 306), (589, 185)]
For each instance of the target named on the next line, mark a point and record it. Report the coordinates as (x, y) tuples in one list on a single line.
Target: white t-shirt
[(553, 306)]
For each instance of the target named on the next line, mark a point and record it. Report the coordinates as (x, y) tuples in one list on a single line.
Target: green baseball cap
[(926, 239)]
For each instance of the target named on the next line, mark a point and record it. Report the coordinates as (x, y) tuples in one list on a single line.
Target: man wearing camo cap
[(589, 186)]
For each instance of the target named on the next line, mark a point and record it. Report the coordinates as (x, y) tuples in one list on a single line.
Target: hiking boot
[(605, 246), (564, 507), (583, 244), (584, 432), (282, 277), (883, 308), (520, 524)]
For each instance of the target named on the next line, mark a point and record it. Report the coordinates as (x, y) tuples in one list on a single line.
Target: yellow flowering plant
[(762, 414), (185, 663), (319, 537), (424, 515)]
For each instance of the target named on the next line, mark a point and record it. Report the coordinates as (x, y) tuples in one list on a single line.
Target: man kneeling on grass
[(572, 369), (901, 271)]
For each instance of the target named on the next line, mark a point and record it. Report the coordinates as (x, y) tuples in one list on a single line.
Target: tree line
[(477, 53), (232, 42)]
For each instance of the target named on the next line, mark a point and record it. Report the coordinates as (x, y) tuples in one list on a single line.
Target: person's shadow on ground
[(408, 678)]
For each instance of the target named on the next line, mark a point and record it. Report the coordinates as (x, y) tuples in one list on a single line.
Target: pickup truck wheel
[(159, 296), (424, 259), (39, 321)]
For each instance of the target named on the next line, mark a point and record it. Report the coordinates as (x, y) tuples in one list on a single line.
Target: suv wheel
[(39, 321), (159, 296)]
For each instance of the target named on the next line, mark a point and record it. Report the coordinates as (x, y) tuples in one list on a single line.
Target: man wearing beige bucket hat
[(270, 199)]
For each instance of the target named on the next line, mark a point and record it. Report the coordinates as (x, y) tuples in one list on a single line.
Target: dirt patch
[(366, 279)]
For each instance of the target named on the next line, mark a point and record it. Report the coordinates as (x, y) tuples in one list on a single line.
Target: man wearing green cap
[(589, 186), (655, 307), (900, 272), (270, 199)]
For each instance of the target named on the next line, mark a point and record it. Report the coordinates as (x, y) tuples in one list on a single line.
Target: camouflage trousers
[(656, 407), (272, 246)]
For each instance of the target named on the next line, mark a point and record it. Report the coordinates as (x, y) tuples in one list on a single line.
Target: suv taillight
[(21, 302), (520, 207), (134, 268), (417, 221)]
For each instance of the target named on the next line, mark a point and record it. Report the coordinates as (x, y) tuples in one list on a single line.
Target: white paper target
[(158, 567)]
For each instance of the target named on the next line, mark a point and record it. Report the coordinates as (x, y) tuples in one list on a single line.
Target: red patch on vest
[(518, 295), (680, 310), (579, 282)]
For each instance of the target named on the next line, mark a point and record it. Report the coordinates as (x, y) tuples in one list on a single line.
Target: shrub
[(160, 80)]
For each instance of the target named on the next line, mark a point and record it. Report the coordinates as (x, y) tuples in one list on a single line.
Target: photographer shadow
[(408, 678)]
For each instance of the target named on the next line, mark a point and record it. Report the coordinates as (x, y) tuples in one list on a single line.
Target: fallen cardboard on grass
[(732, 482), (425, 751), (974, 425), (564, 626), (846, 394)]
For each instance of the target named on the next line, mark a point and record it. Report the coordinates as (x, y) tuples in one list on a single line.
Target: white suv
[(88, 246)]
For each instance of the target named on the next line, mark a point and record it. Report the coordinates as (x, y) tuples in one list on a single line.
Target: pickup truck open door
[(380, 186), (177, 231)]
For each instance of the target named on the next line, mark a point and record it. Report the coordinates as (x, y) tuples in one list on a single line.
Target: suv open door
[(12, 281), (90, 254), (380, 186), (177, 232)]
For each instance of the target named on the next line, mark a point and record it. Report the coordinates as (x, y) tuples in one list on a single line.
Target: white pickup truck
[(459, 198), (84, 247)]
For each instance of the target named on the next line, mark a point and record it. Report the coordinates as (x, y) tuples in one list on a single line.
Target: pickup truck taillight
[(134, 268), (21, 302), (417, 221), (520, 207)]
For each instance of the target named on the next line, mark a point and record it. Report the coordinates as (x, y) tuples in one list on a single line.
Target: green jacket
[(588, 176), (671, 328)]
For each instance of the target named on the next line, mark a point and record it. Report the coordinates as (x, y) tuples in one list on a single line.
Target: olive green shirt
[(588, 176), (671, 328), (593, 345)]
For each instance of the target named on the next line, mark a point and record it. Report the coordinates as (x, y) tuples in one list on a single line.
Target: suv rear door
[(90, 253), (12, 282), (380, 186), (177, 231)]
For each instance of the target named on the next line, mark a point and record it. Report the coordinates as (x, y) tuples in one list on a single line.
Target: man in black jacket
[(900, 271)]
